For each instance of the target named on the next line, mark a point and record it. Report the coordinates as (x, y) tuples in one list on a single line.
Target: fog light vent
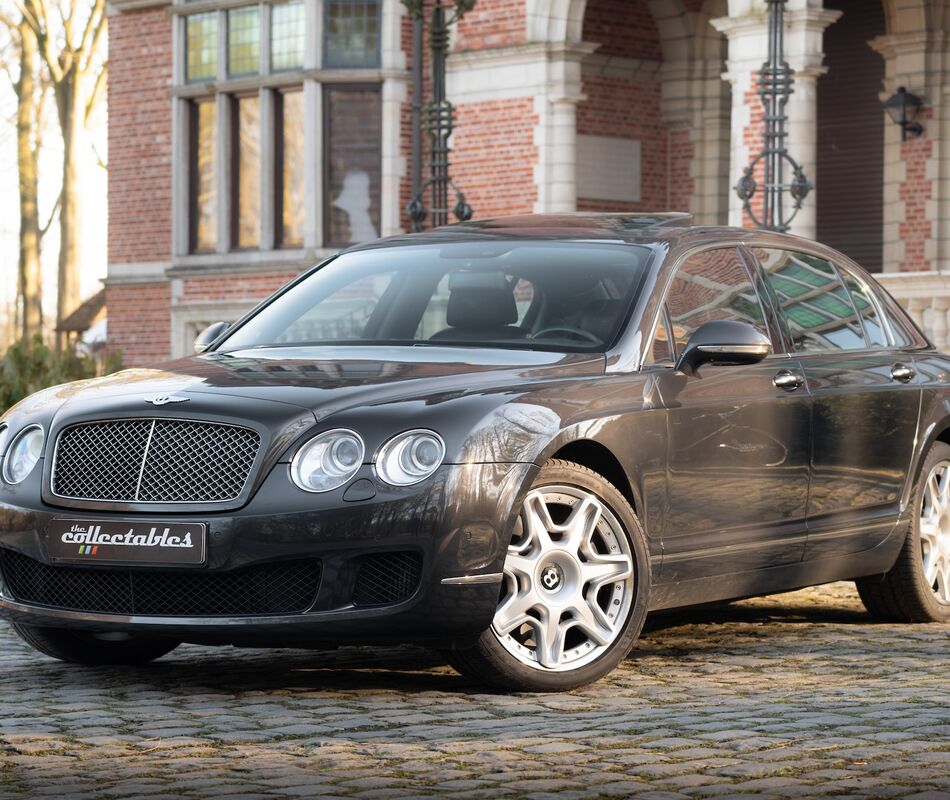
[(387, 578)]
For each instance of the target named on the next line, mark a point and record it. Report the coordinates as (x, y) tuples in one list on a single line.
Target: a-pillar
[(746, 28)]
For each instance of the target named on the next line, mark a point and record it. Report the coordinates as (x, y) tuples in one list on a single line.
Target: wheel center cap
[(551, 577)]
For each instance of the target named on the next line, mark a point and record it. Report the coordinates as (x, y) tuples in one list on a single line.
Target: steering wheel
[(577, 333)]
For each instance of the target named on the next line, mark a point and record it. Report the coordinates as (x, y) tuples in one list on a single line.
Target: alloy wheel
[(935, 531), (568, 580)]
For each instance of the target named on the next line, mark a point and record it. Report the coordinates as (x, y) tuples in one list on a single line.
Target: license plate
[(84, 541)]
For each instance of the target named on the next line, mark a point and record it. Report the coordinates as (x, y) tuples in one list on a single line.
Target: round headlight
[(327, 461), (410, 457), (23, 454)]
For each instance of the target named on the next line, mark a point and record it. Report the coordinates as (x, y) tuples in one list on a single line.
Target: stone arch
[(908, 16), (554, 20)]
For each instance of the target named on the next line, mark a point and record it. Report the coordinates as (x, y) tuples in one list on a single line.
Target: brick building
[(249, 139)]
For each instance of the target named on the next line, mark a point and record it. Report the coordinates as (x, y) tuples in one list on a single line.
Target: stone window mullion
[(223, 173), (268, 134), (314, 234)]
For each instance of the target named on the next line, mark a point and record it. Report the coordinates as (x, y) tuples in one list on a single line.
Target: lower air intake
[(284, 588), (388, 578)]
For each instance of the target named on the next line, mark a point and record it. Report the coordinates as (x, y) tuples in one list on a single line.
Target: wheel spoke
[(538, 522), (943, 478), (520, 566), (605, 569), (550, 637), (513, 613), (580, 526), (929, 534), (933, 495), (942, 570), (590, 618)]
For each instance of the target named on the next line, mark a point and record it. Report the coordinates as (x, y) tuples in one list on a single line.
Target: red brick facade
[(915, 191), (507, 154), (140, 170), (140, 136)]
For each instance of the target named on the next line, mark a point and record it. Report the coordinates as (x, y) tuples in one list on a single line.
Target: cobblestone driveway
[(799, 695)]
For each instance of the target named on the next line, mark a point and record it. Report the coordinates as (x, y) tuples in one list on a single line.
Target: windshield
[(564, 296)]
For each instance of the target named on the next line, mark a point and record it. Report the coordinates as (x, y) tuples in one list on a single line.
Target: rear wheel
[(575, 589), (93, 649), (917, 587)]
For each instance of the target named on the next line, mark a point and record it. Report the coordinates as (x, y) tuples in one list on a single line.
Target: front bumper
[(457, 524)]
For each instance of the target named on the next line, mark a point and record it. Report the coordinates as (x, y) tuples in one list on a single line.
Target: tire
[(576, 588), (82, 647), (917, 587)]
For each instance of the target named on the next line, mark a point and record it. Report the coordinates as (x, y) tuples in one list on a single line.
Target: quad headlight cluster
[(332, 458), (23, 454)]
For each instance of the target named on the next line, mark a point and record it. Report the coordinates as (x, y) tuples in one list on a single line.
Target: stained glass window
[(244, 41), (287, 36), (351, 36), (202, 47)]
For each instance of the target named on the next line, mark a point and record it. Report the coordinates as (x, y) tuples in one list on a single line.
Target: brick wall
[(140, 136), (915, 190), (492, 23), (494, 155), (625, 29), (140, 149), (233, 287), (139, 322), (752, 139)]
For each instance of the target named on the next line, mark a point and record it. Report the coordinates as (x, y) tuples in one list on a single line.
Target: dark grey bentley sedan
[(509, 439)]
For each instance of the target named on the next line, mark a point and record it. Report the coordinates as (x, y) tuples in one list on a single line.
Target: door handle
[(788, 380), (903, 373)]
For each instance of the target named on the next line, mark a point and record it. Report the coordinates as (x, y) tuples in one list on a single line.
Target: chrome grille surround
[(153, 461)]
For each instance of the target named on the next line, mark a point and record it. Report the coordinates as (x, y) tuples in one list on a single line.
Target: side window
[(814, 303), (712, 285), (661, 351), (873, 327)]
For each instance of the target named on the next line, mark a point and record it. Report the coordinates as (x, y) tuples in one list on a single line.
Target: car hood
[(325, 380)]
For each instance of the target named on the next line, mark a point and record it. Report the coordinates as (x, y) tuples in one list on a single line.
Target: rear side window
[(866, 307), (815, 305), (712, 285)]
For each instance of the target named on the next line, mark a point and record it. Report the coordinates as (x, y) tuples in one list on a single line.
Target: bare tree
[(22, 66), (70, 36)]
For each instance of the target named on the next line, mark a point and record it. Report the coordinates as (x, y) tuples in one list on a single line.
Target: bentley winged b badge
[(165, 399)]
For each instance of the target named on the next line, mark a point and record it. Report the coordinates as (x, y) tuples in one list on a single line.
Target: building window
[(246, 172), (202, 47), (202, 193), (353, 163), (287, 36), (251, 123), (244, 41), (290, 169), (351, 33)]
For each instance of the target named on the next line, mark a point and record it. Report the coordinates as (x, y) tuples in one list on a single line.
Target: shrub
[(29, 366)]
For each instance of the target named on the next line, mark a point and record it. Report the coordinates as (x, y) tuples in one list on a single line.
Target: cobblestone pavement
[(799, 695)]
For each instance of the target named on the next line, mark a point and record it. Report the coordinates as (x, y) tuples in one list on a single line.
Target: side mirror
[(724, 342), (209, 334)]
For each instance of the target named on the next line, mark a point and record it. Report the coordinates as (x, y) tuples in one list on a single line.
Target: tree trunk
[(70, 105), (29, 279)]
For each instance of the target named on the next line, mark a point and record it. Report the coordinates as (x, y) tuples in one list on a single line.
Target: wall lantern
[(903, 107)]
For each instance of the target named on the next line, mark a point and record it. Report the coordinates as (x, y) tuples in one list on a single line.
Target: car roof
[(669, 228)]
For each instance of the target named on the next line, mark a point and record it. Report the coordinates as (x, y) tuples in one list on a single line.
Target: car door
[(738, 436), (865, 399)]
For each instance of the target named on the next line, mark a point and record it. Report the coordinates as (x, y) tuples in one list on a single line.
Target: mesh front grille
[(285, 588), (154, 461), (387, 578)]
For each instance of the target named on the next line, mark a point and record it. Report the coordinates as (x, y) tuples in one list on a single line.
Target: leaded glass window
[(287, 36), (246, 205), (290, 169), (244, 41), (201, 44), (204, 206), (351, 33)]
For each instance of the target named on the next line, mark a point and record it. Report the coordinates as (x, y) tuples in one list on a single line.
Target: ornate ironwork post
[(438, 119), (775, 85)]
